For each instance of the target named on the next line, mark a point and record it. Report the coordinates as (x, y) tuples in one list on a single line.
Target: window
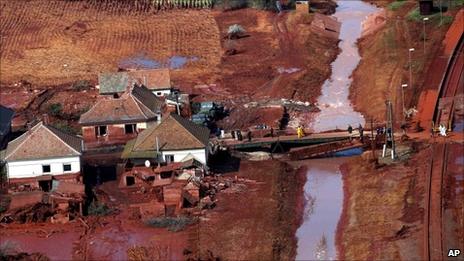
[(130, 128), (159, 93), (130, 180), (66, 167), (169, 158), (46, 169), (100, 131)]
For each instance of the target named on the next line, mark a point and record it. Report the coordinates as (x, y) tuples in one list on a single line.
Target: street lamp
[(423, 22), (402, 98), (410, 67), (441, 14)]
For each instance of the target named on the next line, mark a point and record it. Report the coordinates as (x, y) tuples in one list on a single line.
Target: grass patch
[(98, 209), (389, 39), (396, 5), (415, 16), (173, 224), (55, 109), (447, 19), (64, 126)]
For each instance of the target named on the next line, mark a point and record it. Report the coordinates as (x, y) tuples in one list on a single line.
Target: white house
[(42, 154), (172, 140)]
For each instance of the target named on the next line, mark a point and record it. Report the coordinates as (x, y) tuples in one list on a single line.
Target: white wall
[(200, 154), (164, 92), (33, 168)]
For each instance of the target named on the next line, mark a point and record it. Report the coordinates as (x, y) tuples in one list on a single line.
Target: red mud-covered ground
[(277, 58), (259, 209)]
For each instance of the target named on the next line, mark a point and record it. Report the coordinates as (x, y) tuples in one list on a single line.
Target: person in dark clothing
[(361, 132), (272, 132), (239, 135), (249, 136), (350, 129)]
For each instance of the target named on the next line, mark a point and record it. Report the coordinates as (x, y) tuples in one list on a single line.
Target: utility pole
[(423, 22), (410, 66), (441, 13), (390, 135), (402, 99), (373, 140)]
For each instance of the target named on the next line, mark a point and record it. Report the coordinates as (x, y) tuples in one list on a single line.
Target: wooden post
[(373, 140)]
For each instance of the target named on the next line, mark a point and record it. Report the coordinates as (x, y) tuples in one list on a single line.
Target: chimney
[(45, 119), (29, 127)]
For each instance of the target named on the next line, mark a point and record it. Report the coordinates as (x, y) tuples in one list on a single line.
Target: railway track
[(434, 227), (452, 80)]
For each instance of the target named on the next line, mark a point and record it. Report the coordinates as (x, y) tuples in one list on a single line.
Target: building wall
[(200, 154), (33, 168), (161, 93), (115, 135)]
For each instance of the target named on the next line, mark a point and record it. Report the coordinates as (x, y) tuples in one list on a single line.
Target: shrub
[(55, 109), (81, 85), (235, 31), (64, 126), (98, 209), (173, 224), (447, 19), (396, 5)]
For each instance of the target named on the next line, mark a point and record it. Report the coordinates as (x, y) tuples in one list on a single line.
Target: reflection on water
[(142, 61), (336, 110), (324, 203)]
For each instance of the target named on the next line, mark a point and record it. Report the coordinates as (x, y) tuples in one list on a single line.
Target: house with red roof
[(175, 139), (43, 154), (158, 81), (113, 121)]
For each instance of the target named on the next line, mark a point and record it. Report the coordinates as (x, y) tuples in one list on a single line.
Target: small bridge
[(285, 141)]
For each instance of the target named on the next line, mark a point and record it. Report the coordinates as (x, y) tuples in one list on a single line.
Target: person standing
[(249, 136), (350, 129), (361, 132)]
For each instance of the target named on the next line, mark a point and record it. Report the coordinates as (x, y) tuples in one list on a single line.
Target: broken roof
[(140, 105), (155, 79), (173, 133), (43, 141), (6, 115)]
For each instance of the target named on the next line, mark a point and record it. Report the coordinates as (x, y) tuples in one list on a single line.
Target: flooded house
[(6, 116), (158, 81), (42, 156), (112, 121), (174, 139)]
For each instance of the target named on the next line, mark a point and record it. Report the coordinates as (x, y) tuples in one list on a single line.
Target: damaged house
[(158, 81), (114, 121), (173, 140), (41, 155)]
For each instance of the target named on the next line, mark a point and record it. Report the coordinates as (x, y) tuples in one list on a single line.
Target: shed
[(426, 7)]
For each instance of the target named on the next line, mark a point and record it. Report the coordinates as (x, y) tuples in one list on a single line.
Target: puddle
[(324, 204), (336, 110), (349, 152), (459, 126), (59, 246), (177, 62), (142, 61), (283, 70)]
